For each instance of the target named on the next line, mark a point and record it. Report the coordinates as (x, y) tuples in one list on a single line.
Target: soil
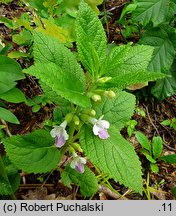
[(49, 186)]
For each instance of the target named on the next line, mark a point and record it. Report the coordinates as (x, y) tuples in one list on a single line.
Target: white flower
[(60, 134), (78, 163), (100, 127)]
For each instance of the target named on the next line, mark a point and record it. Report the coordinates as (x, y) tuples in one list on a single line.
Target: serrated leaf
[(34, 152), (8, 116), (125, 59), (87, 180), (12, 174), (156, 11), (53, 30), (122, 81), (114, 156), (65, 85), (23, 38), (169, 158), (91, 38), (162, 39), (143, 140), (10, 182), (117, 110), (166, 87), (48, 49), (157, 146), (5, 187)]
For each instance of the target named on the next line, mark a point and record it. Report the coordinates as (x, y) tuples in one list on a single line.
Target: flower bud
[(103, 80), (76, 120), (77, 147), (69, 117), (110, 94), (96, 98), (90, 112)]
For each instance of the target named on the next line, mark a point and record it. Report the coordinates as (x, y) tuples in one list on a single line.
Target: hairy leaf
[(114, 156), (162, 39), (128, 59), (91, 38), (87, 180), (122, 81), (166, 87), (60, 82), (33, 153), (53, 30), (48, 49), (117, 110), (156, 11), (11, 180)]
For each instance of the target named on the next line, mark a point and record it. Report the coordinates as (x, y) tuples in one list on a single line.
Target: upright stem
[(4, 175)]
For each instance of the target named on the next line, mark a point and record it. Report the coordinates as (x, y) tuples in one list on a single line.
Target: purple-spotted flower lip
[(78, 163), (100, 127), (60, 134)]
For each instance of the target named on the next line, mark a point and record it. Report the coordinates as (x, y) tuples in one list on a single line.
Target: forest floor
[(49, 186)]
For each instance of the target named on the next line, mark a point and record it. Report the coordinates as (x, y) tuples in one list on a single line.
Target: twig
[(6, 128), (110, 193)]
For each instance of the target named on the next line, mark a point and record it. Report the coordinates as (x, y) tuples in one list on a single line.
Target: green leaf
[(12, 174), (18, 55), (87, 180), (156, 11), (169, 158), (50, 28), (154, 168), (10, 71), (149, 158), (14, 95), (166, 122), (166, 87), (11, 181), (127, 59), (8, 116), (91, 38), (36, 108), (117, 110), (163, 40), (143, 140), (114, 156), (157, 146), (65, 85), (34, 152), (23, 38), (48, 49), (122, 81)]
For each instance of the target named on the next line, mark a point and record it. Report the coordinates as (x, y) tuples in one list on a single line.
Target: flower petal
[(60, 141), (54, 131), (65, 134), (63, 124), (103, 134), (79, 167), (96, 129), (104, 123)]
